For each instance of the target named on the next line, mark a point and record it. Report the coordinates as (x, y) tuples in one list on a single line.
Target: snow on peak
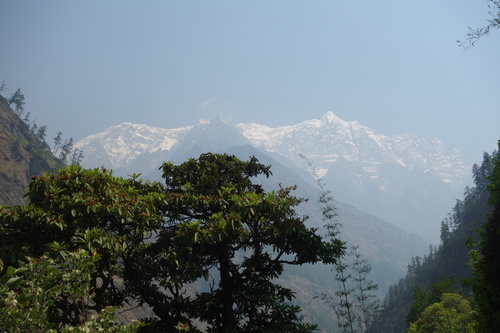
[(120, 145), (319, 139), (324, 141), (329, 117)]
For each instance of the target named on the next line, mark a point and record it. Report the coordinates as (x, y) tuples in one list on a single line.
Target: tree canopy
[(486, 260), (452, 313), (208, 225)]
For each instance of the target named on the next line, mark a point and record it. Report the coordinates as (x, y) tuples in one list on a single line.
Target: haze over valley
[(225, 166), (408, 181)]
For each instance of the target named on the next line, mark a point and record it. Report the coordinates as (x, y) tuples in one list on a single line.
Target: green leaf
[(10, 271), (4, 279), (25, 298), (14, 282)]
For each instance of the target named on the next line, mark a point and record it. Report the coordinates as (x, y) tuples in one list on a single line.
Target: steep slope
[(449, 260), (403, 179), (21, 156)]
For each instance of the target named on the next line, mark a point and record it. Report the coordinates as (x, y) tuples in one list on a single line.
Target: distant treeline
[(447, 267)]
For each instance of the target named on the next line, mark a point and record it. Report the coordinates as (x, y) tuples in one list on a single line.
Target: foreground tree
[(224, 229), (344, 308), (91, 210), (208, 225), (29, 293), (452, 314), (423, 298), (355, 303)]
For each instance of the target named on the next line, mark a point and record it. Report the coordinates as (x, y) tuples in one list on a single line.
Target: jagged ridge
[(325, 140), (409, 181)]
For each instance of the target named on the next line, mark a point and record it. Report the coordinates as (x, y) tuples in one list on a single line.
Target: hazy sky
[(394, 66)]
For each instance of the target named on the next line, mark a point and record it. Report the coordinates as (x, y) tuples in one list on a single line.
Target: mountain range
[(391, 192), (371, 176), (409, 181)]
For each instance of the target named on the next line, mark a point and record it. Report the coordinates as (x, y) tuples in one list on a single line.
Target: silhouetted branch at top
[(494, 23)]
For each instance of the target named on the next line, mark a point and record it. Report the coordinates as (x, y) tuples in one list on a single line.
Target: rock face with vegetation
[(22, 155)]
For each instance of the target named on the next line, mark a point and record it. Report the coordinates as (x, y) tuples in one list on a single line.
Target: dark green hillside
[(22, 155), (450, 260)]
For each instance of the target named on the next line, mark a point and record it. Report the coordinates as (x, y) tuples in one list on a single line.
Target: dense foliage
[(452, 313), (73, 210), (32, 294), (449, 261), (130, 240), (486, 261)]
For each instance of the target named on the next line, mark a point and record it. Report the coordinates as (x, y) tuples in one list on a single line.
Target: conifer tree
[(18, 100), (66, 149), (486, 260), (57, 143), (3, 86)]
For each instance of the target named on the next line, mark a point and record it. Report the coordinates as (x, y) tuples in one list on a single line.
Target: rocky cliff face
[(20, 156)]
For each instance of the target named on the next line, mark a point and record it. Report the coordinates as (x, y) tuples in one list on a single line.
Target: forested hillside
[(446, 267), (23, 151)]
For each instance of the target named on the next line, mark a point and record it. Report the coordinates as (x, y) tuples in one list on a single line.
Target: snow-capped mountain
[(325, 140), (406, 180), (119, 146), (384, 186)]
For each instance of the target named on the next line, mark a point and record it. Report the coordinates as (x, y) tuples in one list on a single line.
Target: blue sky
[(394, 66)]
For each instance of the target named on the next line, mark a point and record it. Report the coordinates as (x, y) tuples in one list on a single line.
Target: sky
[(392, 65)]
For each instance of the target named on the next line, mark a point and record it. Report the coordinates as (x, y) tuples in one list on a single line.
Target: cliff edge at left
[(22, 156)]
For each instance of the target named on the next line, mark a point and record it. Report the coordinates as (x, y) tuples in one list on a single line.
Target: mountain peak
[(330, 138), (354, 159), (118, 146), (330, 117)]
